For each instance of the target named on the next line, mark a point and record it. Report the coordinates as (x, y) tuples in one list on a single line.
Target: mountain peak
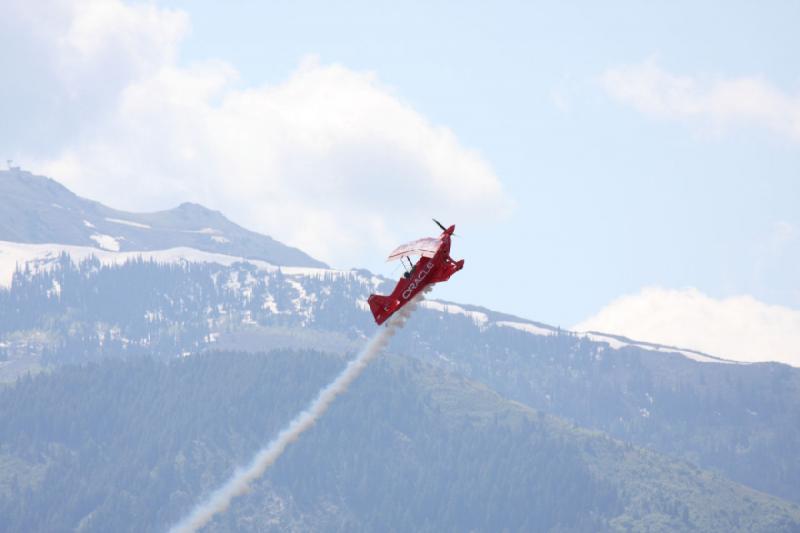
[(24, 183), (192, 207), (197, 213), (39, 210)]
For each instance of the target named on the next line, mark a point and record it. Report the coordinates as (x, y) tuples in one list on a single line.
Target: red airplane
[(434, 265)]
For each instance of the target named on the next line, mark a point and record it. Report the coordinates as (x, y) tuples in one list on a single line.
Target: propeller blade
[(439, 224)]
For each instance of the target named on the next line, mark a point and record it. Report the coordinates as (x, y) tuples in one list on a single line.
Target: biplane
[(433, 266)]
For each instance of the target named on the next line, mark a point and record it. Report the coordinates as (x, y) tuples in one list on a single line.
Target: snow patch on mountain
[(44, 256), (526, 327), (106, 242), (129, 223), (204, 231), (304, 302), (617, 343), (479, 318), (270, 304), (613, 343)]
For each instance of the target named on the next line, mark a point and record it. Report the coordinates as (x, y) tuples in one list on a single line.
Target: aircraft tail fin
[(381, 307)]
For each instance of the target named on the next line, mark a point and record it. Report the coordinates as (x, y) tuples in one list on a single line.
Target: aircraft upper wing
[(424, 247)]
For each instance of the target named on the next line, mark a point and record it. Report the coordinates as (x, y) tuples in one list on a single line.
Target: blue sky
[(586, 151), (608, 200)]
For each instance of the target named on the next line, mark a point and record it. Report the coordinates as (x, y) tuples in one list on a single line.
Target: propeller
[(441, 226)]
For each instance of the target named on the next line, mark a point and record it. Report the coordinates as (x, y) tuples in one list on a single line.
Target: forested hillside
[(132, 445), (740, 420)]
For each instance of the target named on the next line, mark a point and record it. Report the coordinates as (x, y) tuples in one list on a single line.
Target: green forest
[(132, 444)]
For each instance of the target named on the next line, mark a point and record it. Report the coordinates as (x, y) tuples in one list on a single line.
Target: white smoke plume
[(239, 483)]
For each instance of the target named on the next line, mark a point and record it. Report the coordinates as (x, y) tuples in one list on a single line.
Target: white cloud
[(718, 103), (739, 328), (329, 160), (65, 62)]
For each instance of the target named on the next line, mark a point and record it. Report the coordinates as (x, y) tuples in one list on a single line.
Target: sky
[(629, 167)]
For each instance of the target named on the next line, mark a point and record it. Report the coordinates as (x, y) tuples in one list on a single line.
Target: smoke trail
[(239, 483)]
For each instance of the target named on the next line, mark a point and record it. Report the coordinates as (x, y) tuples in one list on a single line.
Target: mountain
[(698, 425), (132, 445), (736, 419), (37, 209)]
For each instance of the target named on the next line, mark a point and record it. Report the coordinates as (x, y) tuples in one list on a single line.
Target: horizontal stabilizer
[(381, 306)]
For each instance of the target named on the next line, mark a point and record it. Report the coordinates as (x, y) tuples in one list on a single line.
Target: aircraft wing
[(424, 247)]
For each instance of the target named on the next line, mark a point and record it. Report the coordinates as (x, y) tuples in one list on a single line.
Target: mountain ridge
[(42, 256), (39, 210)]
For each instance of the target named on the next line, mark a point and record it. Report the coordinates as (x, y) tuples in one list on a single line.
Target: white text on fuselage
[(417, 280)]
